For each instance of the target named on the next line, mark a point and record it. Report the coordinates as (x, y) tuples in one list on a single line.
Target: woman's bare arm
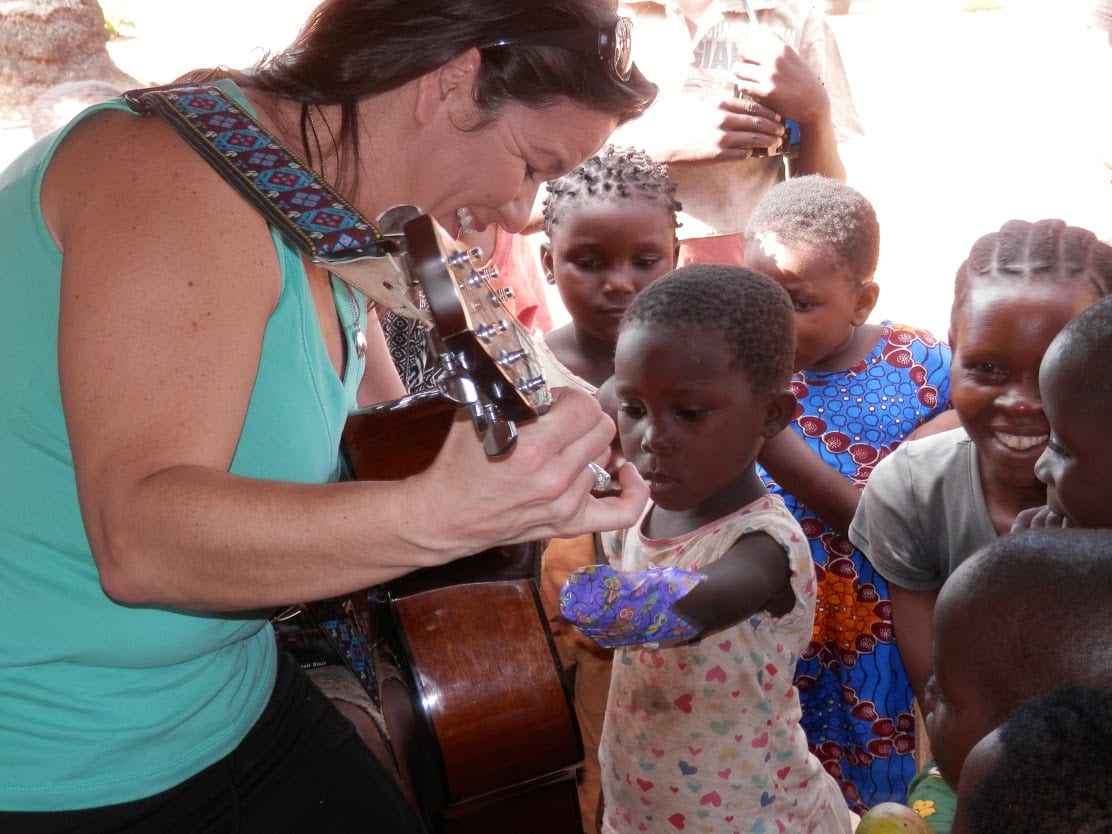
[(160, 331)]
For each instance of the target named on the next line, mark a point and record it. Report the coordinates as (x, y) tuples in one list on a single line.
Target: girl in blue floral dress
[(862, 389)]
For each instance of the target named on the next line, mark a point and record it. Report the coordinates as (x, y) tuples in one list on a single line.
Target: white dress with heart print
[(705, 737)]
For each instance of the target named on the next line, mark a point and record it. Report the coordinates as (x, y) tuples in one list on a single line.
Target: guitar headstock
[(487, 353)]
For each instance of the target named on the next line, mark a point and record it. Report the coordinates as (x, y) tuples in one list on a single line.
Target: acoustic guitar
[(459, 658)]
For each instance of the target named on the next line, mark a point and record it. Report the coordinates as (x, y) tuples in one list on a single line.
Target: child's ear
[(675, 252), (546, 263), (867, 294), (780, 412)]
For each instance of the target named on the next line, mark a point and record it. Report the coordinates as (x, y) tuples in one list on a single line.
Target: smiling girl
[(933, 502)]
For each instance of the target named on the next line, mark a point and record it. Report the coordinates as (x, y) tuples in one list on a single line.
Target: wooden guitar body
[(475, 704)]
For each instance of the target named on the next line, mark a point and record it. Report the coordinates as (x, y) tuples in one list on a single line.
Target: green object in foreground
[(892, 818)]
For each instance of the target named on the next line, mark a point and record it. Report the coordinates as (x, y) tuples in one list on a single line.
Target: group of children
[(786, 597)]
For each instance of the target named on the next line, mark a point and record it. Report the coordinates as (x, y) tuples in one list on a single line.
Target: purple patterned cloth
[(625, 609)]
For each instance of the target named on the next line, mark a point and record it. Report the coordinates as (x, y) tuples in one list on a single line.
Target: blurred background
[(975, 112)]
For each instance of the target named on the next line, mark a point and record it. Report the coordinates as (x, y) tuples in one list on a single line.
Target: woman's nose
[(1023, 397)]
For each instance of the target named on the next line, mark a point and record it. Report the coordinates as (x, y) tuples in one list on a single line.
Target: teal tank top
[(102, 703)]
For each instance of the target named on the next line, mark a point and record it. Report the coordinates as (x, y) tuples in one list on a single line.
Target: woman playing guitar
[(176, 377)]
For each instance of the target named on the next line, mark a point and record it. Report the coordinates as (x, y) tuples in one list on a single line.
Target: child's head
[(1046, 770), (820, 240), (1023, 614), (611, 227), (1016, 290), (1077, 398), (701, 374)]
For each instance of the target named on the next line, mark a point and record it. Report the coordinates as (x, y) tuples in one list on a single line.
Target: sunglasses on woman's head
[(613, 44)]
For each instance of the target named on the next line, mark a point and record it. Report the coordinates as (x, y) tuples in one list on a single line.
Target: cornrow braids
[(613, 174), (820, 212), (752, 312), (1043, 251)]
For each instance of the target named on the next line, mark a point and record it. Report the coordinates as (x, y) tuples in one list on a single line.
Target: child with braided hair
[(611, 229), (862, 387), (934, 501)]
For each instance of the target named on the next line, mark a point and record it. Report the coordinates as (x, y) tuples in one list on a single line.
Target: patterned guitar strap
[(313, 217), (305, 209)]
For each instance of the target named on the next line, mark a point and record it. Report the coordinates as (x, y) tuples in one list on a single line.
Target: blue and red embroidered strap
[(308, 211)]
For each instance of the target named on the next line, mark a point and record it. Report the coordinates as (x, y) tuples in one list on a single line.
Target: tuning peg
[(455, 385), (501, 295), (459, 389), (487, 332), (499, 436), (533, 383), (470, 257), (508, 357)]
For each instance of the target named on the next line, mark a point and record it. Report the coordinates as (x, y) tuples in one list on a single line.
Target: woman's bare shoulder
[(135, 173)]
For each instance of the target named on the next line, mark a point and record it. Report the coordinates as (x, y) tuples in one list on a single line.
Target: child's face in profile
[(1076, 465), (690, 424), (829, 301), (999, 336), (603, 254), (957, 712)]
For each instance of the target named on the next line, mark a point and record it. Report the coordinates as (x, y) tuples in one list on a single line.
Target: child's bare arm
[(665, 604), (800, 471), (913, 622), (752, 576)]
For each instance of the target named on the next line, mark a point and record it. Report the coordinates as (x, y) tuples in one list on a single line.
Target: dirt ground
[(972, 117)]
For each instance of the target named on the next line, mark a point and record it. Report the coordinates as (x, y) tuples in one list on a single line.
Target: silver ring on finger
[(602, 477)]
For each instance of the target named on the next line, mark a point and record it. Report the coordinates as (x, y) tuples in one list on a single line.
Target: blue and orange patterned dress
[(857, 703)]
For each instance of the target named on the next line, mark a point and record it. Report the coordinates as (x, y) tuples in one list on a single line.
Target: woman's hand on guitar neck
[(541, 489)]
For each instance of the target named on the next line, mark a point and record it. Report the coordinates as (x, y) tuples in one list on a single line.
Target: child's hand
[(1039, 517), (614, 608), (778, 77)]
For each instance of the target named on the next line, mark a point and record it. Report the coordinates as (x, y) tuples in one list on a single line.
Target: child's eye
[(802, 305), (630, 410), (1053, 446), (646, 263), (588, 264), (691, 415)]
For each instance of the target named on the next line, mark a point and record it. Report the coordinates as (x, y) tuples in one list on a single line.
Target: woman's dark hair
[(351, 49)]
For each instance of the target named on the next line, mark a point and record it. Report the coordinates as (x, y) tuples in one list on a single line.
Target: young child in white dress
[(710, 598)]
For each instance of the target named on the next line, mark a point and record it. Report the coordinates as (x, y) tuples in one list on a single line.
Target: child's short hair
[(817, 211), (752, 312), (614, 173), (1042, 599), (1053, 770), (1086, 342), (1047, 251)]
